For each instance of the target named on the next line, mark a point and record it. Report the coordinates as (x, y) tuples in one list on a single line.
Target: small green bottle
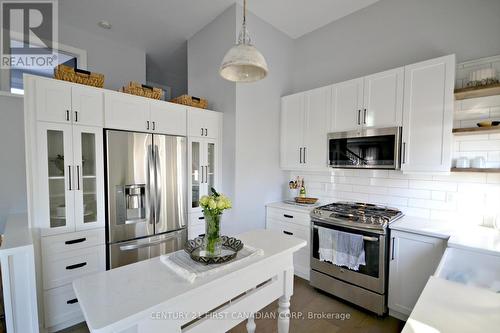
[(302, 192)]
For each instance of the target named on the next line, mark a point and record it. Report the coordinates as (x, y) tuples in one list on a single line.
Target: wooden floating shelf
[(476, 130), (475, 92), (492, 170)]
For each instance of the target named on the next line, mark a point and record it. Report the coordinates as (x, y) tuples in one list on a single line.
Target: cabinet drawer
[(54, 245), (288, 216), (66, 266), (196, 231), (196, 219), (61, 305), (290, 229)]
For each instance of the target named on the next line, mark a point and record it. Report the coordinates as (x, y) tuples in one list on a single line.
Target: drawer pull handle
[(75, 266), (74, 241), (201, 218), (72, 301), (288, 233), (201, 235), (288, 216)]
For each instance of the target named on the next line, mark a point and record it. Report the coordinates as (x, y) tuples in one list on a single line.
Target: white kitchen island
[(148, 297)]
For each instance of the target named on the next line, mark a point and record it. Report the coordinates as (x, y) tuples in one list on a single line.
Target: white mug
[(462, 163), (479, 162)]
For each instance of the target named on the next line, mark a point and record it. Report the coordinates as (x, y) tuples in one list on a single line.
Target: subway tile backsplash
[(470, 198)]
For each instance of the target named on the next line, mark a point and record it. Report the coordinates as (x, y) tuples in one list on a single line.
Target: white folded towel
[(327, 237), (341, 248), (350, 250)]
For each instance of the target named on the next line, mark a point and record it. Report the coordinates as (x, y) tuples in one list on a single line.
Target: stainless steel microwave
[(370, 148)]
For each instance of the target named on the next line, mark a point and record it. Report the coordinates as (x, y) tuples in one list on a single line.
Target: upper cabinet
[(383, 99), (428, 115), (168, 118), (304, 129), (347, 102), (61, 102), (126, 112), (203, 123), (133, 113), (372, 101)]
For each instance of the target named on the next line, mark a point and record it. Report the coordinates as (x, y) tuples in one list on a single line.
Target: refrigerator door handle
[(157, 167), (164, 239), (150, 171)]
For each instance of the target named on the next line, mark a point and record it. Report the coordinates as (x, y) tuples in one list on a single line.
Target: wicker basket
[(191, 101), (75, 75), (143, 90), (308, 201)]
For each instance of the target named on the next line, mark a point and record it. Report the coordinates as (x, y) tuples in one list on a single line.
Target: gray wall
[(205, 52), (250, 166), (13, 166), (118, 62), (394, 33), (258, 177), (173, 75)]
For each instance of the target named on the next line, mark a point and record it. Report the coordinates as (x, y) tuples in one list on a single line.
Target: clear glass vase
[(212, 241)]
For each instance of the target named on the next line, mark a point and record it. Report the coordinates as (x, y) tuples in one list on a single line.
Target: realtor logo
[(29, 34)]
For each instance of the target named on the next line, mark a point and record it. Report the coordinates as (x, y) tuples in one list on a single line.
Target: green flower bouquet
[(213, 205)]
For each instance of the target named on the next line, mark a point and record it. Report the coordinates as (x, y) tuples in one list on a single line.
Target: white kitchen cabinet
[(292, 131), (203, 169), (126, 112), (297, 225), (346, 106), (87, 105), (413, 259), (70, 178), (428, 116), (168, 118), (203, 123), (383, 99), (53, 101), (63, 102), (317, 102), (304, 130), (140, 114)]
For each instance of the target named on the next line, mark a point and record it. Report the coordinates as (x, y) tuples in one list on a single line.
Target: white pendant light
[(243, 62)]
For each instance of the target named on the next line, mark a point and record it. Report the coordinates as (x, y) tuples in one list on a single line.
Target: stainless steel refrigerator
[(146, 196)]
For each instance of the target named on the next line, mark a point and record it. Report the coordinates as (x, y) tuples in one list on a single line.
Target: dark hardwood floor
[(306, 302)]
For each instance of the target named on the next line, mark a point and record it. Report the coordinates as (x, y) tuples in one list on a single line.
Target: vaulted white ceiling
[(161, 27)]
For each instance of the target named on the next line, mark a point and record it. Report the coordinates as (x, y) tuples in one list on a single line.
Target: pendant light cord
[(245, 20)]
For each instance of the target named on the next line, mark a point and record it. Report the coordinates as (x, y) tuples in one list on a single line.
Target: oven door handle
[(365, 238)]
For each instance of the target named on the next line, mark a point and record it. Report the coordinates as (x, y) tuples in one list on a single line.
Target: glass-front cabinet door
[(196, 174), (203, 174), (55, 181), (89, 177)]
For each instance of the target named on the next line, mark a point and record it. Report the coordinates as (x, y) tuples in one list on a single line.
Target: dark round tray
[(230, 248)]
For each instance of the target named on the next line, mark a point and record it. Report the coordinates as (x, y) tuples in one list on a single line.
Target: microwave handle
[(404, 152)]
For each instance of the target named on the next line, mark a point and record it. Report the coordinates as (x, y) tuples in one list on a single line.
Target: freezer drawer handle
[(74, 241), (138, 246), (288, 216), (288, 233), (75, 266), (72, 301)]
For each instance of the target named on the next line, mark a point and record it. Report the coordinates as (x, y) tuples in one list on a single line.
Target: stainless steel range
[(366, 287)]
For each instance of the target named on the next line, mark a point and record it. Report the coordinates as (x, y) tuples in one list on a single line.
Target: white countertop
[(478, 239), (293, 207), (16, 235), (426, 227), (127, 294), (446, 306)]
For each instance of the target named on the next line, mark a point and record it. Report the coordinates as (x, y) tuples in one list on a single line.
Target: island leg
[(251, 324), (283, 314)]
